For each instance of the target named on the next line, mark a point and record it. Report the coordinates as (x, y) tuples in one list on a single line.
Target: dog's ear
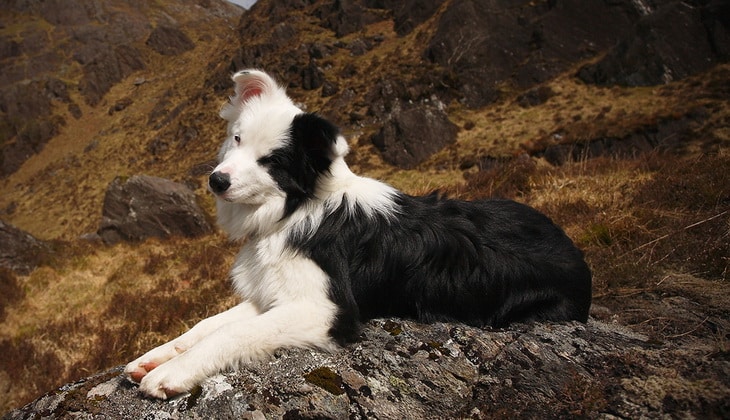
[(252, 83), (320, 140)]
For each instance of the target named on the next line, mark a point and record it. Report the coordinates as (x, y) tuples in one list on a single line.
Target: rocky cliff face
[(474, 52), (67, 57), (402, 370)]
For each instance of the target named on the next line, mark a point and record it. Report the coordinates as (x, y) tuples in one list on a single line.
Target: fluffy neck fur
[(340, 186)]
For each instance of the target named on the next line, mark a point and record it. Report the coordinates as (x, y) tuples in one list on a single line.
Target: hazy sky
[(246, 4)]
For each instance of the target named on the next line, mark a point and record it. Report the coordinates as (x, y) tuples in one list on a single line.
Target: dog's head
[(273, 155)]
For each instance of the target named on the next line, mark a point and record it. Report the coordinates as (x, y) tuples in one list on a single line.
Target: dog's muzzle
[(219, 182)]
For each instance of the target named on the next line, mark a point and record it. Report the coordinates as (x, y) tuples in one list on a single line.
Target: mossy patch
[(78, 398), (392, 327), (326, 379)]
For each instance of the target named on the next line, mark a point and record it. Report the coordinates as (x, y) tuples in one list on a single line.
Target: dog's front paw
[(168, 380), (139, 368)]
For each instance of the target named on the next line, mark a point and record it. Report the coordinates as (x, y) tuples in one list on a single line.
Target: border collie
[(326, 250)]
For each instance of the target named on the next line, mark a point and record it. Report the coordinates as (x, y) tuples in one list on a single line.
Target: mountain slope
[(112, 105)]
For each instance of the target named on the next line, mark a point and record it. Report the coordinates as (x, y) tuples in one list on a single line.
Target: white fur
[(284, 296), (254, 201)]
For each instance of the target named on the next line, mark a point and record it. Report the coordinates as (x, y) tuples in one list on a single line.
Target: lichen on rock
[(430, 371)]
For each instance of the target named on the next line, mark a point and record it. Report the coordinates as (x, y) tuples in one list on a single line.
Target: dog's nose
[(219, 182)]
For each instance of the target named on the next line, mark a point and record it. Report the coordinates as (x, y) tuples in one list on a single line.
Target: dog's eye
[(237, 138)]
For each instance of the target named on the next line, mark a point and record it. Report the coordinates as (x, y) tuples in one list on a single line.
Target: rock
[(666, 134), (319, 51), (716, 17), (120, 105), (535, 96), (408, 14), (346, 17), (57, 12), (169, 40), (9, 47), (655, 52), (312, 76), (105, 38), (410, 136), (282, 32), (146, 206), (485, 44), (26, 116), (58, 90), (329, 89), (20, 251), (358, 47), (108, 68), (402, 369)]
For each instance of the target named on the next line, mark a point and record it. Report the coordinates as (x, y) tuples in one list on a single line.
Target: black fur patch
[(482, 263), (296, 166)]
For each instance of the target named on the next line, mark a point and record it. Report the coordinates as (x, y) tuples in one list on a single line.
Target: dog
[(326, 250)]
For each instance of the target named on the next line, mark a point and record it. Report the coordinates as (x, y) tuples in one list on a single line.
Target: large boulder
[(144, 206), (20, 251), (410, 135), (404, 370)]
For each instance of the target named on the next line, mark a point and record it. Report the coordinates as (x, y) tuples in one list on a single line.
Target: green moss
[(326, 379), (400, 385), (392, 327)]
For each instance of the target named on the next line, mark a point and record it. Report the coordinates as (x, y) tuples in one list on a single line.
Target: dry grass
[(98, 308), (643, 215)]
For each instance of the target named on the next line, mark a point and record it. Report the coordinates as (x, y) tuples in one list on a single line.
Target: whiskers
[(203, 168)]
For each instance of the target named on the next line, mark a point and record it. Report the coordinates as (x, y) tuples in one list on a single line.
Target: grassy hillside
[(655, 226)]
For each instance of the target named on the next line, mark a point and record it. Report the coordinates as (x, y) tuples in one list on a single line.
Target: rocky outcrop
[(657, 51), (402, 369), (20, 251), (408, 14), (346, 17), (409, 136), (666, 134), (486, 45), (108, 68), (473, 52), (94, 45), (29, 119), (169, 40), (145, 206)]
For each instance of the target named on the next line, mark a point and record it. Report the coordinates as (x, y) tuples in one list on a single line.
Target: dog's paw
[(139, 368), (168, 380)]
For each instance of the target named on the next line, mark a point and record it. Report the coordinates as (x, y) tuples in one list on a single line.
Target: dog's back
[(489, 262)]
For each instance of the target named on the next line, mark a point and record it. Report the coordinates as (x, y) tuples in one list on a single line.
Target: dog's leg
[(140, 367), (240, 342)]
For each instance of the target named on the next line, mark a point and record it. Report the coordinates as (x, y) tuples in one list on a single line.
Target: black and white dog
[(326, 249)]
